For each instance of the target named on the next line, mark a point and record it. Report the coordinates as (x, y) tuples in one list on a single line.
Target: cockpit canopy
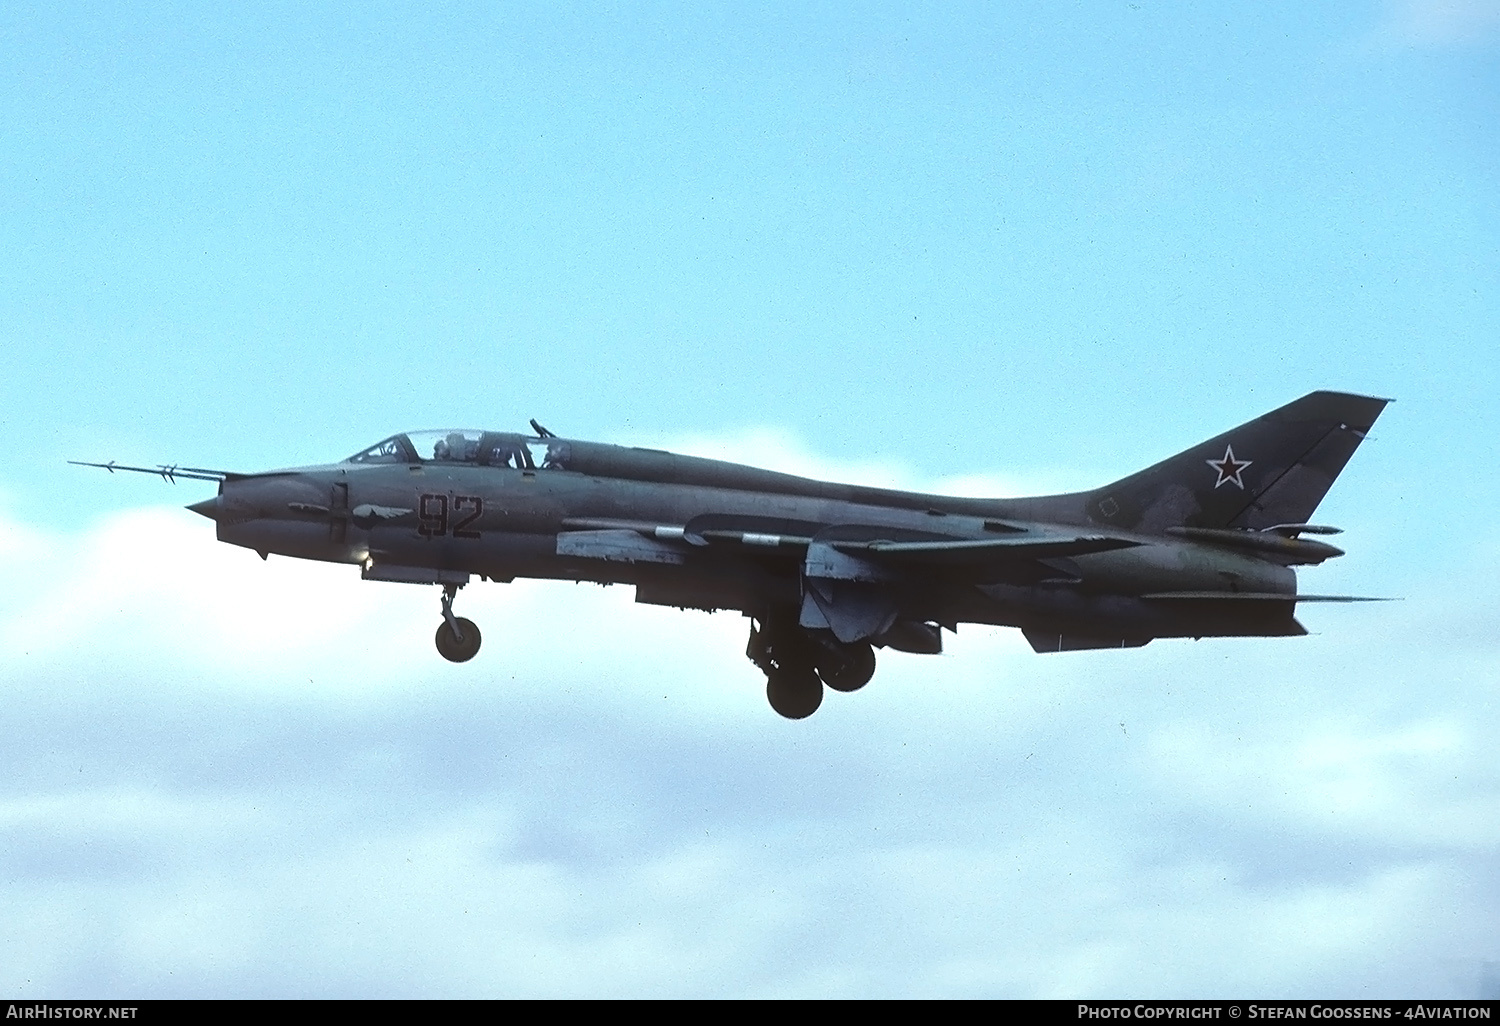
[(479, 448)]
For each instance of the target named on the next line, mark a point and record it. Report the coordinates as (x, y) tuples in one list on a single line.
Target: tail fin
[(1273, 470)]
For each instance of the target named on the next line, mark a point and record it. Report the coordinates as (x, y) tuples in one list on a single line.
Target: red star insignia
[(1229, 468)]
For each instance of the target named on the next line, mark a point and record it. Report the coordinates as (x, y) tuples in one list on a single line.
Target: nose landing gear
[(457, 637)]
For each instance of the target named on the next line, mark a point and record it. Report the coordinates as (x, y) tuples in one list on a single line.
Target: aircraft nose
[(207, 508)]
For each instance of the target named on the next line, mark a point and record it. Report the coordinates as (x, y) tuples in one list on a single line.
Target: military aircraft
[(1201, 544)]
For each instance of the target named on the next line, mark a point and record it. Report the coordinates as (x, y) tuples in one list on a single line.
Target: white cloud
[(1442, 23), (229, 776), (777, 450)]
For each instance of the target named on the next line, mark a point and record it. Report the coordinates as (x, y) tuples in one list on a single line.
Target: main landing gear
[(797, 663), (457, 638)]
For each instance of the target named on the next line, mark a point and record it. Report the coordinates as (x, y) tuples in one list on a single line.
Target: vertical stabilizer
[(1272, 470)]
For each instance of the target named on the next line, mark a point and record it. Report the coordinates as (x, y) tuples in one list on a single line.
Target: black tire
[(794, 693), (453, 650), (851, 669)]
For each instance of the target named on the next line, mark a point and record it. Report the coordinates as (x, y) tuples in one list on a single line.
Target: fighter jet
[(1202, 544)]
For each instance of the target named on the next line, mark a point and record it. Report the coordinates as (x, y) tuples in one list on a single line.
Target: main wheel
[(454, 650), (794, 693), (849, 668)]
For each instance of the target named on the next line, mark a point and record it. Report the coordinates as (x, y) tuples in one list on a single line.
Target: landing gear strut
[(781, 651), (457, 638), (797, 663)]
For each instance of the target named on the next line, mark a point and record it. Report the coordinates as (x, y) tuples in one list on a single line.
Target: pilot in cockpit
[(454, 448), (508, 453)]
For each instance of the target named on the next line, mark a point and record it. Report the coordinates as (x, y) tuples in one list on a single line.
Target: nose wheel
[(457, 637)]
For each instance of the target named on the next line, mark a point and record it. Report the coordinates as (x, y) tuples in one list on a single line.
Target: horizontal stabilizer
[(1292, 530), (1285, 548)]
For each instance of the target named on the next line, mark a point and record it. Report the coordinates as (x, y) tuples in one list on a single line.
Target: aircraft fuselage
[(501, 523), (1201, 544)]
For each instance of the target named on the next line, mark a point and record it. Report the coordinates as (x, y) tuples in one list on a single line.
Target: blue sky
[(1019, 249)]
